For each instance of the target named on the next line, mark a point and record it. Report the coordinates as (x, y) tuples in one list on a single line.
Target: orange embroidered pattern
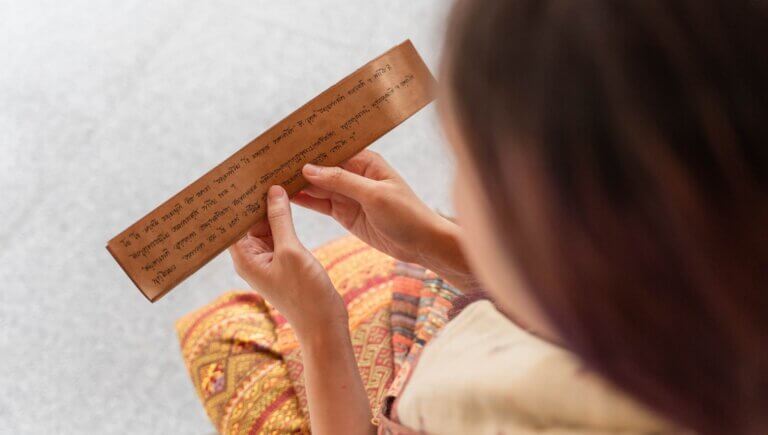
[(245, 361)]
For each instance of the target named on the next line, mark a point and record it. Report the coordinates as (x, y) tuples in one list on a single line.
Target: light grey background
[(106, 109)]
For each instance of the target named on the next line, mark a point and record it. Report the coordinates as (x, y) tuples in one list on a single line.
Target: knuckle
[(292, 253), (277, 212), (335, 173), (378, 161)]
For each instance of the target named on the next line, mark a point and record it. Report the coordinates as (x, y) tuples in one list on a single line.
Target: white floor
[(106, 109)]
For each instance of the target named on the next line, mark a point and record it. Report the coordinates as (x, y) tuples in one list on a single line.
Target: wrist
[(445, 256), (317, 311), (442, 246), (327, 336)]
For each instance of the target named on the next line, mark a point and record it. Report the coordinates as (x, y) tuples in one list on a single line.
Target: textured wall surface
[(106, 109)]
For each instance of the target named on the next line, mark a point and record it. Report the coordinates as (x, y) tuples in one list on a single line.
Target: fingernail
[(276, 192), (311, 170)]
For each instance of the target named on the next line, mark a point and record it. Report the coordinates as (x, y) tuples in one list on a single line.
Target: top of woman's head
[(643, 127)]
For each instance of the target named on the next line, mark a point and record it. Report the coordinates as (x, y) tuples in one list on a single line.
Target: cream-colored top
[(484, 375)]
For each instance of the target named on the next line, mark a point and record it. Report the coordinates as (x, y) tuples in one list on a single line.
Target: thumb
[(338, 180), (280, 220)]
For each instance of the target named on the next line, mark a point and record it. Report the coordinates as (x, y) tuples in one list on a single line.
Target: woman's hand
[(367, 197), (272, 260)]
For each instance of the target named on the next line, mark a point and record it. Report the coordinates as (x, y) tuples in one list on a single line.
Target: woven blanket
[(245, 362)]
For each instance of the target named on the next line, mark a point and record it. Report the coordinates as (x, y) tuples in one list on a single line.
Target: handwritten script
[(192, 227)]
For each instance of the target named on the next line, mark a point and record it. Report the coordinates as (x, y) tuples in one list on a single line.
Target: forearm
[(443, 255), (337, 399)]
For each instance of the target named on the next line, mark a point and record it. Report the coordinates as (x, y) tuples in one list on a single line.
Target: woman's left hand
[(272, 260)]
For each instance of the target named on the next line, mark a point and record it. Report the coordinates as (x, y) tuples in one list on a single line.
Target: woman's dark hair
[(624, 145)]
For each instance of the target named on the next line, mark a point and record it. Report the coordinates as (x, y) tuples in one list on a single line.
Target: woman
[(611, 191)]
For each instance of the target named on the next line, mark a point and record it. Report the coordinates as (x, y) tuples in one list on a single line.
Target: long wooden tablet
[(185, 232)]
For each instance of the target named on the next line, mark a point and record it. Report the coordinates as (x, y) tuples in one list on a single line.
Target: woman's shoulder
[(485, 374)]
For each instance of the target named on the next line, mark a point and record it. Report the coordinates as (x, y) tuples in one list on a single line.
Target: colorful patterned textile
[(245, 362), (420, 304)]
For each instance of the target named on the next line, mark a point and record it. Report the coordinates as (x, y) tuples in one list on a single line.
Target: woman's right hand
[(368, 198)]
